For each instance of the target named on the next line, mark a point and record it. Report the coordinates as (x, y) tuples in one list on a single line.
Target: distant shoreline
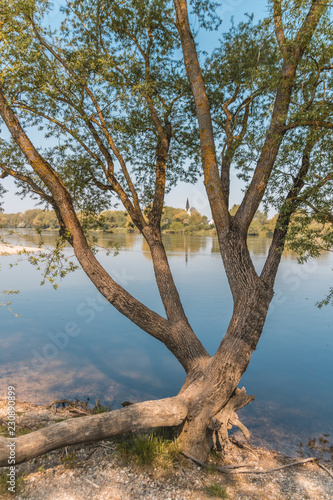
[(15, 249)]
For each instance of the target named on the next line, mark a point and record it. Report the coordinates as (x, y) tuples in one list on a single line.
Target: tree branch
[(158, 201), (308, 123), (231, 146), (288, 208), (208, 152), (182, 342), (101, 124), (274, 136), (279, 31), (167, 288), (27, 180), (328, 216), (63, 127)]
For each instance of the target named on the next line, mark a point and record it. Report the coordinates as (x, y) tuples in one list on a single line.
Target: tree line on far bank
[(174, 220)]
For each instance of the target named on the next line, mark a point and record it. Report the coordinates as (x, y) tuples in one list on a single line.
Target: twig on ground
[(325, 469), (90, 454), (92, 483), (242, 445), (230, 469), (77, 410), (105, 446)]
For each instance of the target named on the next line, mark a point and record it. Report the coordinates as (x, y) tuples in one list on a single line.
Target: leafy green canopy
[(242, 76), (126, 57), (112, 74)]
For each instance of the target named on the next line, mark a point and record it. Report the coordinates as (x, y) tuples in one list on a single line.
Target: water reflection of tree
[(29, 236), (121, 240), (258, 245), (181, 244), (100, 239), (215, 245)]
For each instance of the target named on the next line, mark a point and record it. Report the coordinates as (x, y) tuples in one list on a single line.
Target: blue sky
[(178, 196)]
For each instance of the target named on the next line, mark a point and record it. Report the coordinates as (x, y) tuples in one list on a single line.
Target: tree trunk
[(210, 389), (209, 393)]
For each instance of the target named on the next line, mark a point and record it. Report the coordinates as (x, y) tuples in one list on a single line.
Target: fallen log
[(161, 413)]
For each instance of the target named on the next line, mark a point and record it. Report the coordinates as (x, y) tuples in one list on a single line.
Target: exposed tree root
[(162, 413), (227, 417)]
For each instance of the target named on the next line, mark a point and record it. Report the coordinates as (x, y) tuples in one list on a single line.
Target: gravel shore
[(98, 471)]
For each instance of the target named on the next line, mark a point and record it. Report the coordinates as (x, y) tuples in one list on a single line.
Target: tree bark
[(210, 167), (209, 389)]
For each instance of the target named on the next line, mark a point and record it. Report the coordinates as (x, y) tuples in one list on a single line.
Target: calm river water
[(103, 355)]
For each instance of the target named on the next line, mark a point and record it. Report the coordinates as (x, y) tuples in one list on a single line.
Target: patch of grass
[(146, 449), (22, 431), (170, 455), (19, 431), (99, 408), (3, 483), (143, 448), (216, 490), (19, 481), (69, 460), (215, 455), (4, 492), (211, 468)]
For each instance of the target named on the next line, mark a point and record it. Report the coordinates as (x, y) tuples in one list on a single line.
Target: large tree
[(126, 107)]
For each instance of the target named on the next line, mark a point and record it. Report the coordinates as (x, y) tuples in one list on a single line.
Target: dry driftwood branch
[(325, 469), (91, 482), (231, 469)]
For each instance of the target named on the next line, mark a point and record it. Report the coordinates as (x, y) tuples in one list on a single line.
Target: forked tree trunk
[(209, 398)]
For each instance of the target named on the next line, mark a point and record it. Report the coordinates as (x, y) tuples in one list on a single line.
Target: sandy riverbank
[(15, 249)]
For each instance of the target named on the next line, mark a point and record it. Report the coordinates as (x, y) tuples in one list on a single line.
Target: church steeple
[(187, 205)]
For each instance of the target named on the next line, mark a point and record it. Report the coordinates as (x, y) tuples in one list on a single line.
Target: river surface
[(68, 343)]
